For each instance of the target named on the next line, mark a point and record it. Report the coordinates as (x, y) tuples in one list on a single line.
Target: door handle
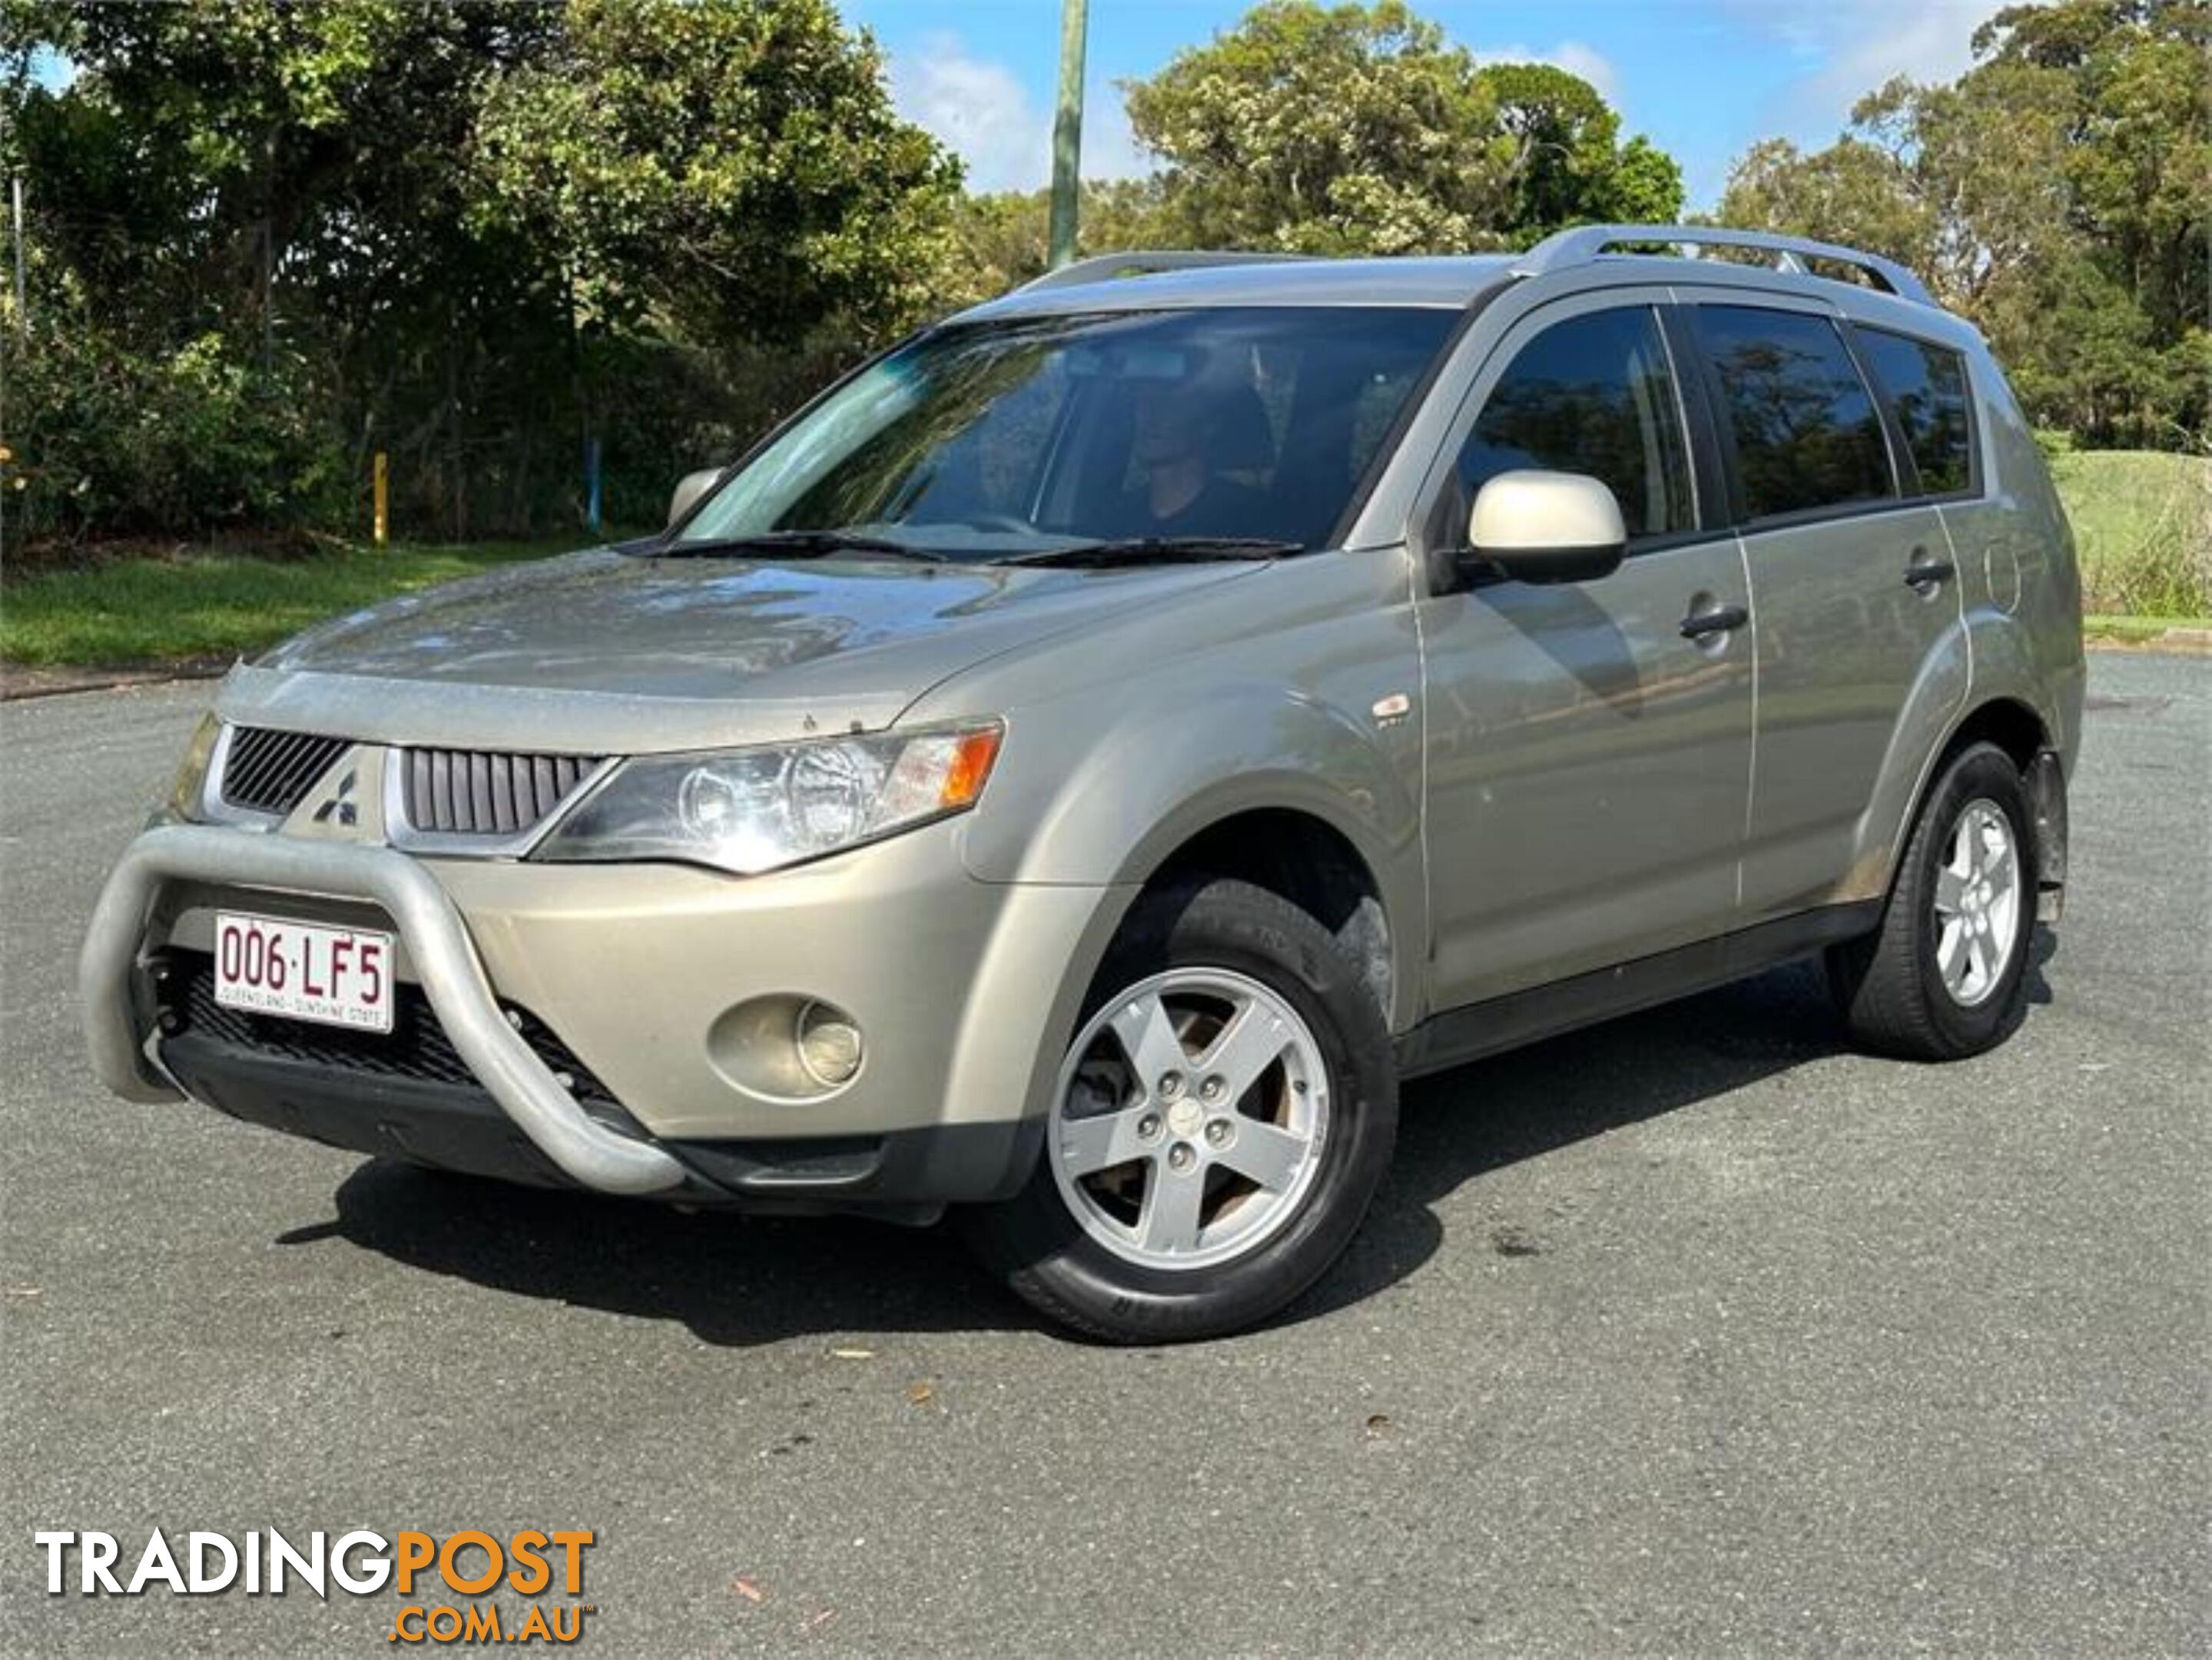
[(1926, 572), (1722, 619)]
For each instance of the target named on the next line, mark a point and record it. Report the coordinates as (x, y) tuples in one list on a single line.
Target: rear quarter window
[(1807, 435), (1925, 387)]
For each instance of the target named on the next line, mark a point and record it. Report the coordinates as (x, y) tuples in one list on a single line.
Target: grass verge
[(2143, 630), (2142, 529), (217, 603)]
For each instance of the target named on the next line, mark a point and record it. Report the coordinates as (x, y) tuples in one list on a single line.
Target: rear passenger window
[(1807, 435), (1592, 395), (1925, 387)]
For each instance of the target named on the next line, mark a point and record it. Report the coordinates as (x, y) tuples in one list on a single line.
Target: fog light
[(828, 1044)]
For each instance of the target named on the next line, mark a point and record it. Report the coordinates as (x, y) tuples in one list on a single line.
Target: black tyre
[(1946, 974), (1219, 1125)]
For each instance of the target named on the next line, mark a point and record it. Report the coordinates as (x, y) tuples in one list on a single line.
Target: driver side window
[(1595, 395)]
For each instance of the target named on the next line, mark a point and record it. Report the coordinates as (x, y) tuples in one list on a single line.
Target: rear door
[(1587, 761), (1852, 581)]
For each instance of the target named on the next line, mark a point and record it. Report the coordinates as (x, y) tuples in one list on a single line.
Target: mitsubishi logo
[(338, 807), (347, 804)]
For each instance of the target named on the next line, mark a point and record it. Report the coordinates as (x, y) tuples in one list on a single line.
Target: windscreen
[(990, 440)]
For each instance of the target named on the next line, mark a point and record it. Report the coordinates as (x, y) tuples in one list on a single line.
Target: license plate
[(339, 977)]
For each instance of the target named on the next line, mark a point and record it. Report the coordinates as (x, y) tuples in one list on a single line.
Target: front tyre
[(1946, 974), (1217, 1127)]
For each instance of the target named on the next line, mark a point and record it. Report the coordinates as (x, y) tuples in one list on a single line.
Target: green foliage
[(1854, 192), (1358, 129), (2058, 193), (1566, 165), (469, 236), (1004, 238), (1643, 187), (734, 206), (2142, 530), (196, 437), (665, 408)]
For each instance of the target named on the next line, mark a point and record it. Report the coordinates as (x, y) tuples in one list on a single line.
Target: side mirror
[(1547, 527), (692, 486)]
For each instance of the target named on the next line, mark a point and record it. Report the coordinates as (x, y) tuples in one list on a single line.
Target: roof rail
[(1584, 243), (1100, 267)]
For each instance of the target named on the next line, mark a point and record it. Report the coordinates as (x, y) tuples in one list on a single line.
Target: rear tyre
[(1218, 1126), (1946, 974)]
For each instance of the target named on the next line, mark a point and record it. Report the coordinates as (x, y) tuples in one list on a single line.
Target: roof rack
[(1584, 243), (1100, 267)]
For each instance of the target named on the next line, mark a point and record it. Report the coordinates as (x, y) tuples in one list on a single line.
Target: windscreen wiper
[(1157, 551), (796, 544)]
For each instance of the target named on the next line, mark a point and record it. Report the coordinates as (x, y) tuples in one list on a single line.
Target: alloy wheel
[(1189, 1118), (1977, 898)]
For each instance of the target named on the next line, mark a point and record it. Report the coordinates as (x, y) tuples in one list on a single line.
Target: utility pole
[(1067, 130)]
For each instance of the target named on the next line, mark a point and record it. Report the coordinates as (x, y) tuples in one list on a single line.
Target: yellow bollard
[(382, 519)]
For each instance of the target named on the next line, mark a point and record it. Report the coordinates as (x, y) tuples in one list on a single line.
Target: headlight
[(750, 810), (183, 801)]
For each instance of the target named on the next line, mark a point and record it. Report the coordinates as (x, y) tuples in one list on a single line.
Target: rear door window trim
[(1977, 481), (1723, 430)]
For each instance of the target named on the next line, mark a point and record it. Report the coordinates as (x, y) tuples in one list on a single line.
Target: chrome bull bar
[(438, 942)]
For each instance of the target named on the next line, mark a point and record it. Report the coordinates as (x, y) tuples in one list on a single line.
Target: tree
[(212, 153), (250, 225), (734, 169), (470, 235), (1566, 165), (1643, 187), (1359, 128), (1004, 238), (2058, 193), (1854, 192)]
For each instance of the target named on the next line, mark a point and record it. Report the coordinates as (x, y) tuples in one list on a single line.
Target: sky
[(1704, 79)]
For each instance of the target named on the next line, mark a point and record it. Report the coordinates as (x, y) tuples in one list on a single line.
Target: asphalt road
[(1691, 1334)]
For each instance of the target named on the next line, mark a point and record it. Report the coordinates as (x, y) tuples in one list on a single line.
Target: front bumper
[(965, 990), (438, 943)]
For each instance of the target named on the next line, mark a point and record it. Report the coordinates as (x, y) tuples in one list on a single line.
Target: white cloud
[(981, 111), (977, 106), (1573, 56), (1850, 50)]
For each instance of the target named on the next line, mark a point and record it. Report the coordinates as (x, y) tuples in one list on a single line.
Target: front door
[(1588, 760)]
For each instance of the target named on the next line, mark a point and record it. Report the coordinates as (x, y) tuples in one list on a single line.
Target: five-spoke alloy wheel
[(1190, 1117), (1977, 903), (1946, 974), (1221, 1120)]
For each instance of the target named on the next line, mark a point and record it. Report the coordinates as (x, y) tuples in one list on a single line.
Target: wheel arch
[(1276, 788), (2006, 722), (2011, 724), (1286, 849), (1299, 856)]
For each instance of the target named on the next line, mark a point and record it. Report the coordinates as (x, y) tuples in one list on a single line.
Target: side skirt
[(1457, 1036)]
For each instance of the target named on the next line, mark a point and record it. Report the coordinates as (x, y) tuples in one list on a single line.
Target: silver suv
[(1073, 770)]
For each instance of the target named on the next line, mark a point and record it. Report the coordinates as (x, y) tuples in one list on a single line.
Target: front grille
[(416, 1048), (269, 771), (477, 793)]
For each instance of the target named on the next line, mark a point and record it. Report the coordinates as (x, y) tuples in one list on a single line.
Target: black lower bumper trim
[(458, 1127)]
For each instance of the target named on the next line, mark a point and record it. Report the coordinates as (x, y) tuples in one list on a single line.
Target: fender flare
[(1149, 786), (2001, 670)]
